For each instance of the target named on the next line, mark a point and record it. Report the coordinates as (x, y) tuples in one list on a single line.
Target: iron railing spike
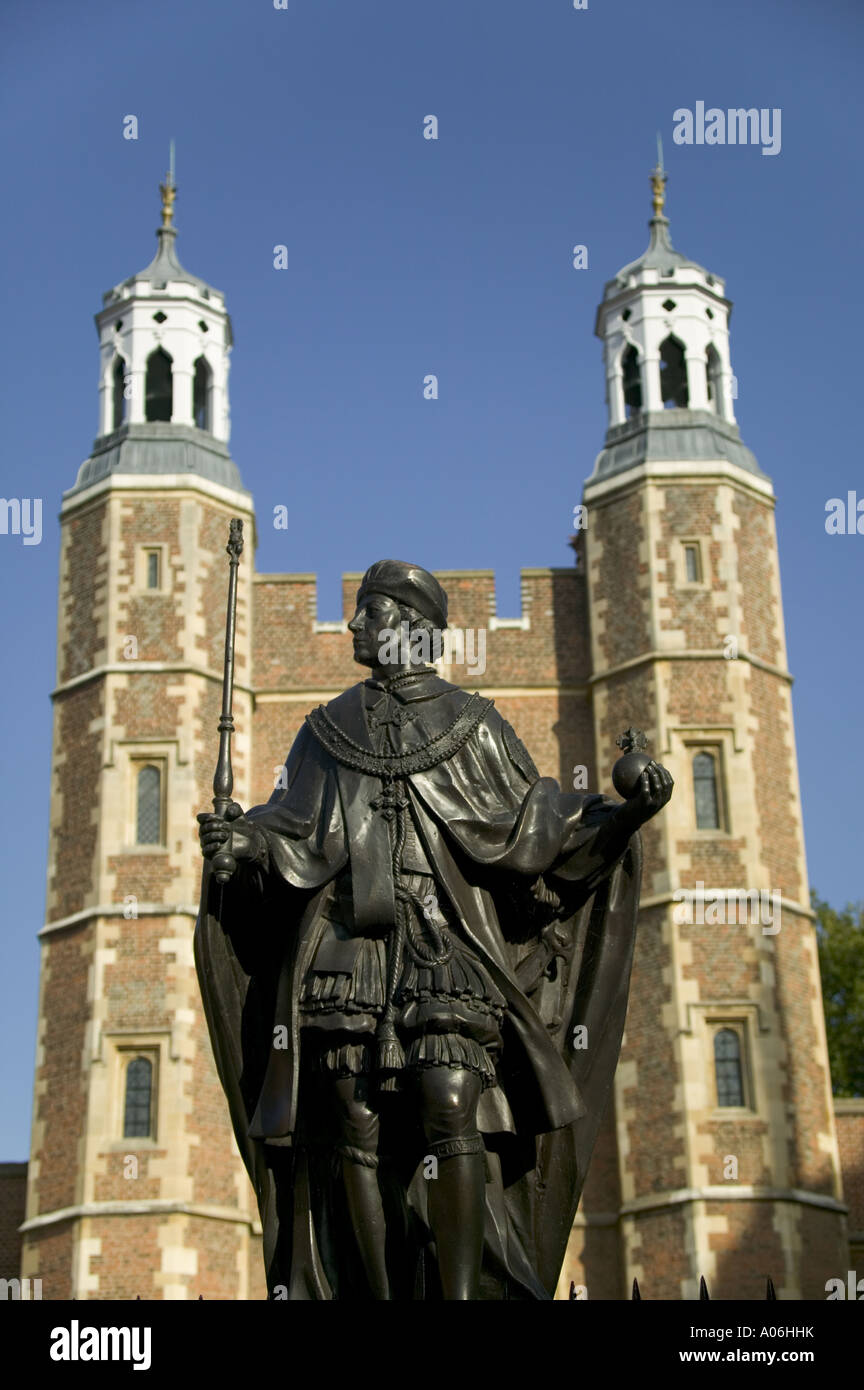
[(636, 1295), (704, 1295), (770, 1291)]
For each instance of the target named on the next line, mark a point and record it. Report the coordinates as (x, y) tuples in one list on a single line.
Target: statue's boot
[(366, 1210), (457, 1207)]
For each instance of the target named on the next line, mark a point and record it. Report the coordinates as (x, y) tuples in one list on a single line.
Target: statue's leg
[(457, 1198), (358, 1148)]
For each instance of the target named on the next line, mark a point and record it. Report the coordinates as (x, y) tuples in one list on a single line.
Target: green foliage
[(841, 962)]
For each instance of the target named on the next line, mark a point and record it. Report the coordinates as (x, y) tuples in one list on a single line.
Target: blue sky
[(406, 257)]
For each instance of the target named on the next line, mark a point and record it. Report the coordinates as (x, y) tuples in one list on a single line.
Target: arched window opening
[(714, 374), (673, 374), (632, 382), (727, 1067), (119, 394), (705, 792), (138, 1105), (202, 388), (159, 390), (149, 806)]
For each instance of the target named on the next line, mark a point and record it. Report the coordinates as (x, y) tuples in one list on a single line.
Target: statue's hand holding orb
[(645, 785), (653, 791)]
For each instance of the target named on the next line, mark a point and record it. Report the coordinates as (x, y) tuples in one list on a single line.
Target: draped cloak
[(544, 888)]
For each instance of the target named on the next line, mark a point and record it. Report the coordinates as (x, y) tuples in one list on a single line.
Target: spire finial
[(658, 180), (168, 189)]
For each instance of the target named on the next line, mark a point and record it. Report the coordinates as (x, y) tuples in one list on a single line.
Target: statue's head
[(391, 593)]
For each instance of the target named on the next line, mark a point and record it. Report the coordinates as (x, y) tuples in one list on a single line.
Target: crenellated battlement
[(547, 644), (536, 665)]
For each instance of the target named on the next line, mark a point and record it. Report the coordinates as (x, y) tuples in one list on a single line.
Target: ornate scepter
[(224, 863)]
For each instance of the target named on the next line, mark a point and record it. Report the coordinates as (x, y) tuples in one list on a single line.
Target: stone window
[(692, 563), (632, 382), (149, 804), (690, 568), (153, 569), (673, 374), (728, 1068), (138, 1099), (159, 389), (706, 791)]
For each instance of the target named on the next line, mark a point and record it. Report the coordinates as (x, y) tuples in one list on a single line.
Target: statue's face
[(375, 615)]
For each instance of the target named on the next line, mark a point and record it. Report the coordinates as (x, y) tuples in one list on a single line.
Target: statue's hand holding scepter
[(223, 839)]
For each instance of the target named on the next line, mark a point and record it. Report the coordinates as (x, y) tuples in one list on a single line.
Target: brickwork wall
[(849, 1118), (822, 1251), (13, 1198), (691, 511), (658, 1248), (155, 619), (48, 1253), (618, 564), (129, 1258), (652, 1144), (74, 801), (748, 1247), (594, 1257), (83, 593), (60, 1100), (125, 1257)]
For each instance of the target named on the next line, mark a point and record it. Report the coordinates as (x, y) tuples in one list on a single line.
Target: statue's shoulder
[(494, 730), (350, 700), (517, 752), (450, 710), (434, 688), (436, 700), (343, 714)]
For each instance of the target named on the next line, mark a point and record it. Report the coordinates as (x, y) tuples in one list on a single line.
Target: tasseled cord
[(390, 1055)]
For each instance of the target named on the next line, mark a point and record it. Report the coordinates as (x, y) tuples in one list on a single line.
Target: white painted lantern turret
[(165, 342), (664, 322)]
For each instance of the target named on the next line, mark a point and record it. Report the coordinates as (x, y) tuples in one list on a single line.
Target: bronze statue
[(416, 979)]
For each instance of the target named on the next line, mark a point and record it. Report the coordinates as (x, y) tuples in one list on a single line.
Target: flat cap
[(408, 584)]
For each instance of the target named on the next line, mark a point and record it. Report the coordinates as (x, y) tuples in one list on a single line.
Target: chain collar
[(436, 749)]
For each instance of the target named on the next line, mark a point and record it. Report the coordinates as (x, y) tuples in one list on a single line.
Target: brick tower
[(134, 1183), (721, 1156)]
